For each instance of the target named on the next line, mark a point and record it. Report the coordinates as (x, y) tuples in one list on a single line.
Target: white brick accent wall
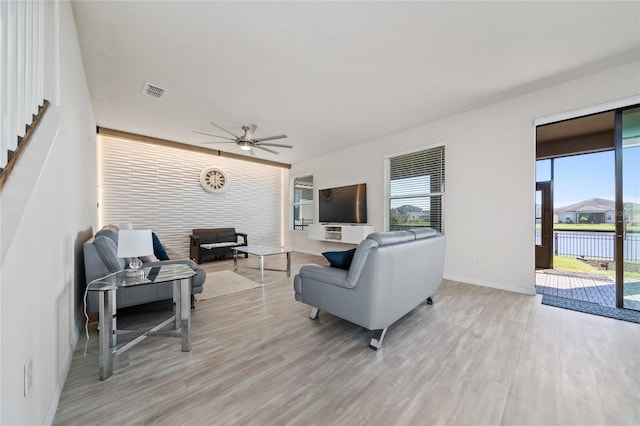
[(158, 187)]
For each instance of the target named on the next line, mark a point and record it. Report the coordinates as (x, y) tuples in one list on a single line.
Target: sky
[(580, 177)]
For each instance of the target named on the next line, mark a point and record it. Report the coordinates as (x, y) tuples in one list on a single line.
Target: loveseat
[(215, 243), (391, 273), (100, 259)]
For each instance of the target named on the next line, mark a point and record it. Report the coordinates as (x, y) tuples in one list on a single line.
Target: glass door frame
[(619, 238), (619, 205), (544, 250)]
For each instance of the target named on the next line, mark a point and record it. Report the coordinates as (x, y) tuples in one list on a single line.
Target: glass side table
[(107, 287)]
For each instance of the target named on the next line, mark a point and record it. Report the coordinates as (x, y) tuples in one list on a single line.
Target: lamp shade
[(134, 243)]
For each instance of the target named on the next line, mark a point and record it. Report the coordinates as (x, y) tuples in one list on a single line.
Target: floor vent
[(152, 90)]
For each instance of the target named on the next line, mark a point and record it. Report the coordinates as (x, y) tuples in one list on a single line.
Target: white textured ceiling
[(332, 74)]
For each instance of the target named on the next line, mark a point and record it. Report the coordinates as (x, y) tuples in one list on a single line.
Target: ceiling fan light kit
[(246, 142)]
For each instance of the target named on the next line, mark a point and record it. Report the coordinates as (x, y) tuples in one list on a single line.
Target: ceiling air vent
[(152, 90)]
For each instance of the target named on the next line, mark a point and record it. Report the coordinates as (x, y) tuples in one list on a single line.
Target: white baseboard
[(507, 287), (55, 399)]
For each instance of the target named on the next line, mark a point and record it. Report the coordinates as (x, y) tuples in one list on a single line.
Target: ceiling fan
[(246, 142)]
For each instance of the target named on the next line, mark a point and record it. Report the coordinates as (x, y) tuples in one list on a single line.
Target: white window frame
[(293, 203)]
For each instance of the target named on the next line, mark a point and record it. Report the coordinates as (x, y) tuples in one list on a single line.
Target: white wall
[(490, 170), (41, 272), (158, 187)]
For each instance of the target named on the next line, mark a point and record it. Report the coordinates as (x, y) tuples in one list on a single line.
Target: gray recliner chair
[(100, 259), (391, 273)]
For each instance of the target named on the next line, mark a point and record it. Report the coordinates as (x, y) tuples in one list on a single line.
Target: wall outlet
[(472, 257), (28, 375)]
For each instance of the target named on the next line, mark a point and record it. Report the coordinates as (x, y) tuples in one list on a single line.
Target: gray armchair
[(100, 259), (391, 273)]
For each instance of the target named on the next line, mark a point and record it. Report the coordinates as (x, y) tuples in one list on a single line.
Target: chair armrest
[(359, 260), (325, 274), (243, 236), (195, 240)]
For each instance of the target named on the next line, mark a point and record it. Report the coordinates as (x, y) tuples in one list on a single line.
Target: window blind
[(304, 182), (416, 187)]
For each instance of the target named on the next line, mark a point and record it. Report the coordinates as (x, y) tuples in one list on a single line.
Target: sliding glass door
[(627, 135)]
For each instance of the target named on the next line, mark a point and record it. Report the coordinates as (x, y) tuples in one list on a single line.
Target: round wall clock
[(213, 179)]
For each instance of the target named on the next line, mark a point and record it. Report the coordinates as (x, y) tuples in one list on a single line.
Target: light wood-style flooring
[(478, 356)]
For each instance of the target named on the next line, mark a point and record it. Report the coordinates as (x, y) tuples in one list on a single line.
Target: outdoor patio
[(596, 288)]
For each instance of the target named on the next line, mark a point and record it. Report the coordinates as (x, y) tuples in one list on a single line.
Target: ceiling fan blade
[(251, 131), (218, 142), (266, 149), (215, 136), (270, 138), (274, 144), (224, 130), (252, 152)]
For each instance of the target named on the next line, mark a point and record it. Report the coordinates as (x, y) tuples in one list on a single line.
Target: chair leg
[(429, 301), (376, 339), (315, 313)]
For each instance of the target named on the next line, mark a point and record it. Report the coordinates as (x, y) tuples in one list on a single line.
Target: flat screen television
[(343, 204)]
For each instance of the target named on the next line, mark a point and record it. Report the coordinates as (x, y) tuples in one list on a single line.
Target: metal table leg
[(288, 263), (107, 300), (185, 313), (176, 305), (261, 270)]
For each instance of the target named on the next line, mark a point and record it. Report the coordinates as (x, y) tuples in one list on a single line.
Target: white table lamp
[(134, 243)]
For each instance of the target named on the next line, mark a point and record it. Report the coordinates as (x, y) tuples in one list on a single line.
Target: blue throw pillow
[(158, 248), (340, 259)]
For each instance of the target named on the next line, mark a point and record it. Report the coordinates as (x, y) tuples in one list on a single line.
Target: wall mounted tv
[(343, 204)]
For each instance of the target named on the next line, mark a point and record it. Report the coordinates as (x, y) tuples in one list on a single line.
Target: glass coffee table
[(107, 287), (261, 252)]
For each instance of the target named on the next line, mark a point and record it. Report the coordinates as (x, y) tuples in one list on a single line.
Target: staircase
[(22, 142)]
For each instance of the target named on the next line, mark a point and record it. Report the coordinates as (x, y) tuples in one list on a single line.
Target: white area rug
[(224, 282)]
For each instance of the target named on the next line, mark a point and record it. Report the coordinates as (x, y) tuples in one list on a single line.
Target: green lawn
[(412, 224), (566, 263), (584, 227), (590, 227), (572, 264)]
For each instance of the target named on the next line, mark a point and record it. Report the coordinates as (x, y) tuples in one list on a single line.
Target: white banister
[(3, 79), (21, 70), (21, 50)]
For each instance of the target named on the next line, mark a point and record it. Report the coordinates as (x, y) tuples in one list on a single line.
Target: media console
[(339, 233)]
